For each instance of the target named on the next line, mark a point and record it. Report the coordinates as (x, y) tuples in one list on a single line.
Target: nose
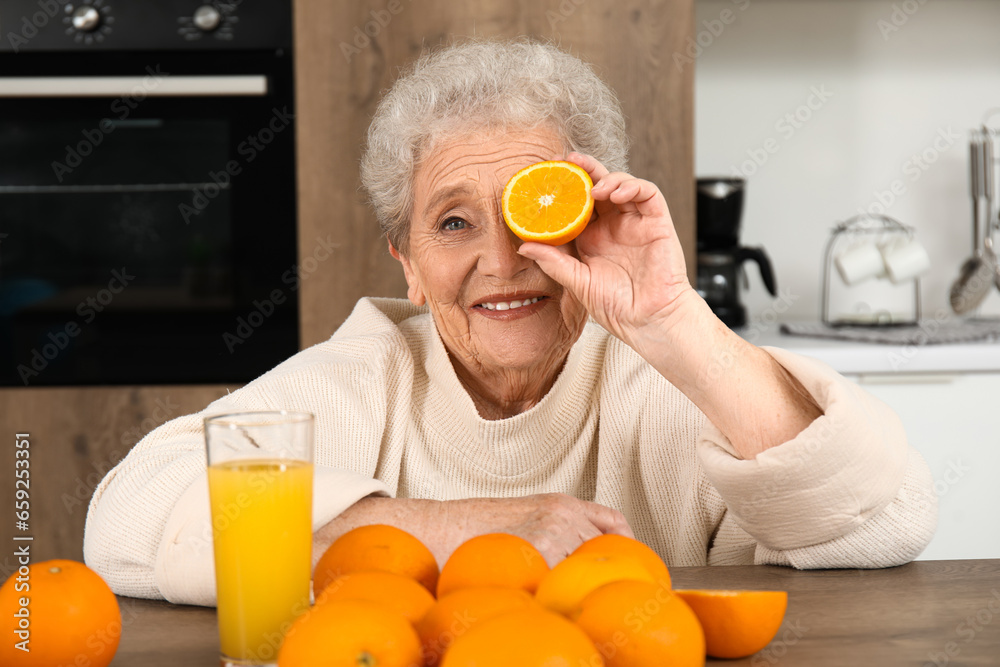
[(499, 258)]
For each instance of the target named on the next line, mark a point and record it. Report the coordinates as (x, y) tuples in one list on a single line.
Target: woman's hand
[(630, 273), (555, 523), (630, 276)]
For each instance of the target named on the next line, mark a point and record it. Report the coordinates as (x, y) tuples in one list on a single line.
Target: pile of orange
[(381, 602)]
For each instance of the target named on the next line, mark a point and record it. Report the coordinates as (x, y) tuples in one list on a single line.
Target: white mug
[(905, 259), (859, 262)]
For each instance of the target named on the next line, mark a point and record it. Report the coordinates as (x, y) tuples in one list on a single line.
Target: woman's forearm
[(555, 523), (424, 519), (755, 402)]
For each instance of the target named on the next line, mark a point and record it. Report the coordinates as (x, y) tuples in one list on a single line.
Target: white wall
[(892, 94)]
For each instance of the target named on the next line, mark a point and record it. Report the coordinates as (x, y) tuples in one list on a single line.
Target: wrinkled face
[(495, 310)]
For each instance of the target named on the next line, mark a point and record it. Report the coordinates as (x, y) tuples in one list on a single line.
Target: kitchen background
[(903, 84), (879, 101), (880, 93)]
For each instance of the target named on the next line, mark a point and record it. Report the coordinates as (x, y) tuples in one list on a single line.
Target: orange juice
[(262, 529)]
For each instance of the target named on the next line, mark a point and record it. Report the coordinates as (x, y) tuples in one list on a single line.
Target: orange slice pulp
[(548, 202)]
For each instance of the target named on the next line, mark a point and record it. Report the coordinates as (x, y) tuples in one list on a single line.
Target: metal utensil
[(977, 273), (989, 193)]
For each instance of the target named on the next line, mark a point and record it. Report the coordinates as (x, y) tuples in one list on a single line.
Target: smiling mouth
[(509, 305)]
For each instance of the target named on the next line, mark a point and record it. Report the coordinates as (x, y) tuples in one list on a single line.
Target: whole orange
[(72, 617), (737, 623), (389, 589), (526, 638), (377, 547), (496, 559), (574, 577), (350, 633), (611, 545), (460, 611), (638, 624)]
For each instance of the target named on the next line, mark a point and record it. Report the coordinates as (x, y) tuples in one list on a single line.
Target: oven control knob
[(86, 19), (207, 18)]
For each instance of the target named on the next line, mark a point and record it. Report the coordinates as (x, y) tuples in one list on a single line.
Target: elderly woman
[(556, 393)]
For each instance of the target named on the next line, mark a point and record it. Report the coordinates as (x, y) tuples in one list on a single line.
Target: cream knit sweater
[(392, 418)]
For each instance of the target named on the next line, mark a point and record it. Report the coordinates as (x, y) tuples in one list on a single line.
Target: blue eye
[(453, 224)]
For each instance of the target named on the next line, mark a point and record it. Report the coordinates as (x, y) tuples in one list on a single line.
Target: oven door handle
[(155, 84)]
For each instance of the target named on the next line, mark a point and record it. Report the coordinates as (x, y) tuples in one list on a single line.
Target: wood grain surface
[(924, 613), (76, 436), (631, 43)]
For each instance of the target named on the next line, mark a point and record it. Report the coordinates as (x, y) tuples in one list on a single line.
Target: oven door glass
[(147, 245)]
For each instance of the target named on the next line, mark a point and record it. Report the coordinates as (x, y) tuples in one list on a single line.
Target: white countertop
[(871, 358)]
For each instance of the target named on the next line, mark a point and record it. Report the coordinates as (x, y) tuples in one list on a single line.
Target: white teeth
[(510, 305)]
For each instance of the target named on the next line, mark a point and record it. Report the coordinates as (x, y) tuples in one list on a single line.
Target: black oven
[(147, 191)]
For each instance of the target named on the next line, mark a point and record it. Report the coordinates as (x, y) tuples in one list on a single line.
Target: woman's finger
[(589, 164), (608, 184), (605, 187), (646, 196), (607, 520), (620, 188), (561, 267)]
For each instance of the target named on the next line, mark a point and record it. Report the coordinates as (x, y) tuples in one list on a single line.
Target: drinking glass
[(260, 479)]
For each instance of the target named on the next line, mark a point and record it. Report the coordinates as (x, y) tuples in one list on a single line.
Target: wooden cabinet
[(347, 53)]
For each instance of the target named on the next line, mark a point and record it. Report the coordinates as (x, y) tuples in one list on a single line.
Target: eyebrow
[(442, 196)]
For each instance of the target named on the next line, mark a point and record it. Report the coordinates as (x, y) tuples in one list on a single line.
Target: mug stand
[(848, 233)]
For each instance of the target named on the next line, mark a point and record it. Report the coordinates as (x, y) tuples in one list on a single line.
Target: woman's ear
[(413, 292)]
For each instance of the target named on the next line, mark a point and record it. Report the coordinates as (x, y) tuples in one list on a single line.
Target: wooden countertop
[(926, 612)]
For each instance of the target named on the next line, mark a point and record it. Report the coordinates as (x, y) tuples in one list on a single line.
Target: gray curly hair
[(483, 84)]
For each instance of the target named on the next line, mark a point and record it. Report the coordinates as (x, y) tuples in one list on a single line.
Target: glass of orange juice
[(260, 479)]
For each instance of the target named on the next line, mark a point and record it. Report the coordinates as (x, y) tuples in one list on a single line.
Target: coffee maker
[(720, 255)]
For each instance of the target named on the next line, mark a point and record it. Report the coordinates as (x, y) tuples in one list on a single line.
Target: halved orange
[(548, 202), (737, 623)]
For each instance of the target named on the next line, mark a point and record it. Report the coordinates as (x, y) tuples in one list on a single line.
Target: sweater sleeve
[(848, 491)]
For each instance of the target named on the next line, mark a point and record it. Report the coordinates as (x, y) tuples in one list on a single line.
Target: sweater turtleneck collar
[(519, 444)]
